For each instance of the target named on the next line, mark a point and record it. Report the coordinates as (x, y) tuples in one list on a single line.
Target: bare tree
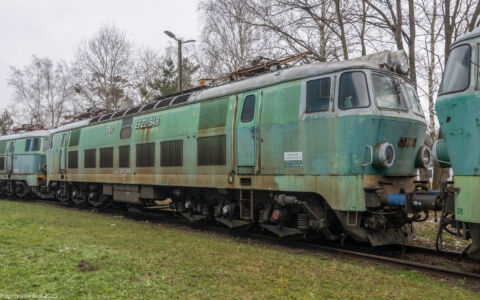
[(6, 122), (102, 68), (228, 41), (147, 71), (42, 90)]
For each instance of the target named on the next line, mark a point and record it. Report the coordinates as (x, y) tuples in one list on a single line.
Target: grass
[(426, 234), (74, 254)]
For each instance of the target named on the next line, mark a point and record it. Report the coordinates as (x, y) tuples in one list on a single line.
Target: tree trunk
[(411, 44), (342, 29)]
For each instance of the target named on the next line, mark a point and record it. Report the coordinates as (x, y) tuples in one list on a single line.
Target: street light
[(179, 65)]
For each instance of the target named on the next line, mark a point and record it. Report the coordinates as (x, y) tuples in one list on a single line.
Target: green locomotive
[(313, 148), (23, 164), (458, 108)]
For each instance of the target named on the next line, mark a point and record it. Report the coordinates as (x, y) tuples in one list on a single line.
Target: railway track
[(367, 254)]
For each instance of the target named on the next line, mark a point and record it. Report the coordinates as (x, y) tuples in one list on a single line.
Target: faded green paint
[(333, 147), (3, 147), (467, 206), (460, 124), (23, 164), (341, 192), (213, 113)]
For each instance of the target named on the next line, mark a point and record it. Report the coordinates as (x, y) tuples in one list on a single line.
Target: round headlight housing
[(440, 154), (384, 155), (424, 157)]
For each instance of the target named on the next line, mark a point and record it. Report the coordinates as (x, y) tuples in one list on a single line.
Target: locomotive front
[(383, 130), (457, 110)]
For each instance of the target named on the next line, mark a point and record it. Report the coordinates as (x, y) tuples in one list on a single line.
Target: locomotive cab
[(457, 110), (380, 130)]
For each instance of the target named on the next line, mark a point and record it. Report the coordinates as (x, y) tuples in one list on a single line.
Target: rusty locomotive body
[(314, 149)]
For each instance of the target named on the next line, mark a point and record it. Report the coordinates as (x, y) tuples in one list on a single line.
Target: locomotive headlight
[(384, 155), (424, 157)]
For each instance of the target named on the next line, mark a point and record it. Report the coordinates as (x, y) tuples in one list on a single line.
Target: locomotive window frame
[(307, 109), (106, 157), (145, 155), (171, 153), (401, 93), (88, 161), (249, 113), (28, 143), (407, 85), (124, 156), (469, 72), (72, 160), (340, 88), (126, 131), (35, 144), (46, 144)]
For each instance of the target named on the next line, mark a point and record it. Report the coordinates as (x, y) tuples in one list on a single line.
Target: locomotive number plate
[(147, 123)]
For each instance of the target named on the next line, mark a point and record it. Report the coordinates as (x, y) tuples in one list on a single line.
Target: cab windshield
[(413, 98), (387, 92), (457, 72)]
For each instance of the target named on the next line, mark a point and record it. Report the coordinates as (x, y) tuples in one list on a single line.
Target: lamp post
[(180, 42)]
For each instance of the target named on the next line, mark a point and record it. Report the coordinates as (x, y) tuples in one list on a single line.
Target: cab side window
[(248, 110), (318, 95), (353, 91)]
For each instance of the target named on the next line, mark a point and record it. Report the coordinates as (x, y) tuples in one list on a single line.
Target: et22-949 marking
[(147, 123)]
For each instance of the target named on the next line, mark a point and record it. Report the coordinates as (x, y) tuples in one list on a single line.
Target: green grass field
[(74, 254)]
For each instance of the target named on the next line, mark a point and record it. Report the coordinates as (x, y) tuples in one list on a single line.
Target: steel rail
[(165, 217)]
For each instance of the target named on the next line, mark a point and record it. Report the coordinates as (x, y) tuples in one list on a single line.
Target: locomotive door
[(63, 152), (9, 163), (246, 133)]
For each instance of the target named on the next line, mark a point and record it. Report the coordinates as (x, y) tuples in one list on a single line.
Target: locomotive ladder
[(243, 204)]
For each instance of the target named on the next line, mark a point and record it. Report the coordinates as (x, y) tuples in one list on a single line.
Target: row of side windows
[(210, 151), (353, 92)]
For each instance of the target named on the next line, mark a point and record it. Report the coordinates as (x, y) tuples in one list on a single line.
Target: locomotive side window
[(90, 158), (412, 96), (106, 157), (353, 91), (145, 155), (74, 138), (124, 156), (2, 162), (27, 145), (126, 131), (35, 144), (318, 95), (456, 77), (248, 110), (171, 153), (211, 150), (73, 159), (46, 144), (388, 92)]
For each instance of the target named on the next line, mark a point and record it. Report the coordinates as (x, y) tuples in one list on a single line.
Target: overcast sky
[(53, 28)]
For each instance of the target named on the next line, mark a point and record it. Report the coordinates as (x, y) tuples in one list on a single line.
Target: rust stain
[(407, 142)]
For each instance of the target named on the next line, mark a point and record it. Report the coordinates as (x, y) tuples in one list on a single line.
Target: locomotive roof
[(470, 35), (197, 95), (26, 134)]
